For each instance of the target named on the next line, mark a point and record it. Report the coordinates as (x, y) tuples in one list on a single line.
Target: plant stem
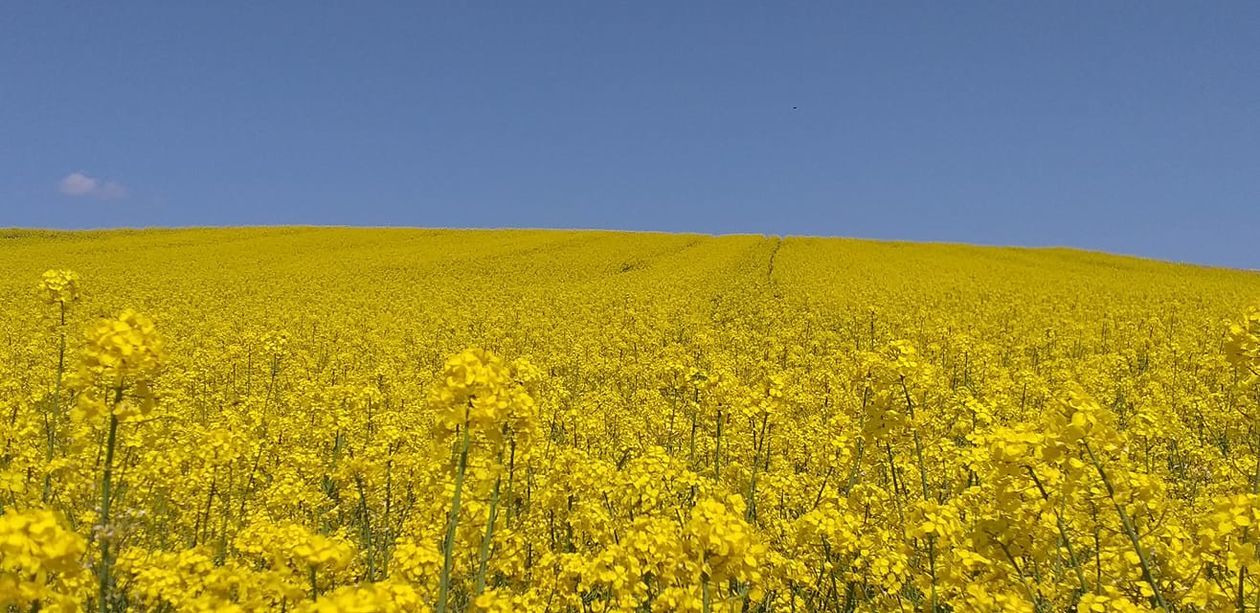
[(927, 494), (106, 483), (448, 545), (1157, 599), (56, 403), (483, 555), (717, 450), (1058, 519)]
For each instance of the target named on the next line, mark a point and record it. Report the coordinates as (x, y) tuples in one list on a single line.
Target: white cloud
[(78, 184)]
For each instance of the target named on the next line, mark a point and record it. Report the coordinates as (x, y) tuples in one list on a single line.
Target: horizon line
[(938, 242)]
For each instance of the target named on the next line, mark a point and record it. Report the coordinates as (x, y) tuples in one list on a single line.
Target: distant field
[(323, 419)]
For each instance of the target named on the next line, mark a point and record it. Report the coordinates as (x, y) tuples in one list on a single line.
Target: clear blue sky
[(1123, 126)]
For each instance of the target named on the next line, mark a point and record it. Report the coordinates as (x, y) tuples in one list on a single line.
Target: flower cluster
[(60, 287), (40, 561), (119, 350), (479, 391)]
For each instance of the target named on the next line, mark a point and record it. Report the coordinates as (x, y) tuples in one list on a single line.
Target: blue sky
[(1131, 127)]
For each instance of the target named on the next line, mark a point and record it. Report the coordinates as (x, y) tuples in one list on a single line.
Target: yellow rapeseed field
[(311, 419)]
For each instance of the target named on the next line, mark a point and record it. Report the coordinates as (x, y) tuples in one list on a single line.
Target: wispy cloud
[(79, 185)]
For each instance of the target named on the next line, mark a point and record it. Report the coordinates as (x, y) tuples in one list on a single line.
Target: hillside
[(680, 421)]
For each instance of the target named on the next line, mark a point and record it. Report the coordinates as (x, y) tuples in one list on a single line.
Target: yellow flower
[(478, 390), (125, 348), (60, 287), (39, 560)]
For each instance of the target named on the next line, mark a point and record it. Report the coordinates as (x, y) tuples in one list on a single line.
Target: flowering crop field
[(312, 419)]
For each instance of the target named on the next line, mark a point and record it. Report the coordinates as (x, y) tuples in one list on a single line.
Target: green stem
[(751, 513), (717, 450), (1157, 599), (366, 527), (927, 494), (1242, 571), (56, 404), (448, 545), (483, 555), (106, 483), (1058, 520)]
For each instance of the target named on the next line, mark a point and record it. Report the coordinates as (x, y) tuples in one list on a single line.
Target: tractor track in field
[(774, 252)]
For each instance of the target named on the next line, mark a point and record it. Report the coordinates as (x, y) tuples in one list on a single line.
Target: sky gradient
[(1123, 126)]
